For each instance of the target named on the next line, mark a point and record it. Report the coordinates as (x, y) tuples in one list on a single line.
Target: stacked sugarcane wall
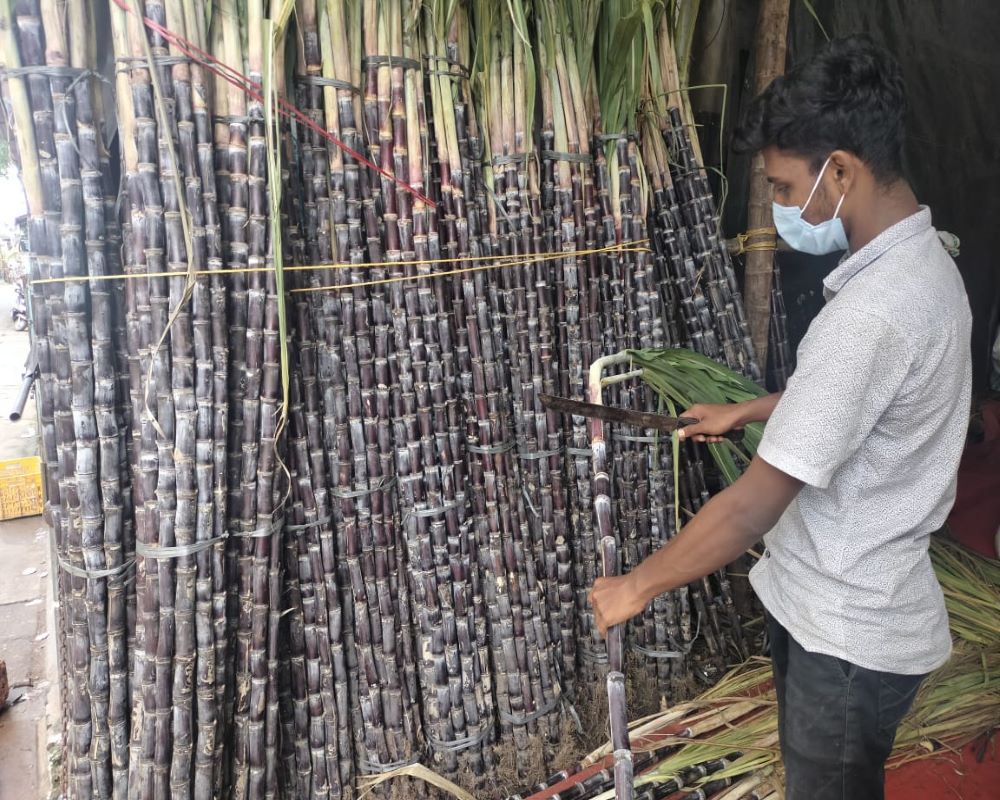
[(313, 521)]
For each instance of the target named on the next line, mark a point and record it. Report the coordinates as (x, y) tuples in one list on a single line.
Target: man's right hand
[(714, 420)]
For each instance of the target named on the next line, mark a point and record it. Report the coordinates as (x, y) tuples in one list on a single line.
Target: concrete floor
[(27, 640)]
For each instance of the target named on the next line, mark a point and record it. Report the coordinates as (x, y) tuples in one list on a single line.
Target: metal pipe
[(22, 397)]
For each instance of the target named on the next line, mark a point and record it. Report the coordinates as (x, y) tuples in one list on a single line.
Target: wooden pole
[(772, 32)]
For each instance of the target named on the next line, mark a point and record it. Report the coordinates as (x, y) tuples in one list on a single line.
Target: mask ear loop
[(816, 186), (836, 211)]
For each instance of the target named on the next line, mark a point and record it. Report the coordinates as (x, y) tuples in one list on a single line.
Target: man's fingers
[(692, 431)]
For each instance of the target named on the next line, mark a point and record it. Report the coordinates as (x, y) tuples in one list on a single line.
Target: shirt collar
[(853, 263)]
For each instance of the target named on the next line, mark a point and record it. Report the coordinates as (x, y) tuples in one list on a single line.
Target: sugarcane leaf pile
[(301, 271)]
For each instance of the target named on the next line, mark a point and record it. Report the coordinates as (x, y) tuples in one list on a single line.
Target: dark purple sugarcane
[(710, 294), (210, 345), (782, 358), (80, 459)]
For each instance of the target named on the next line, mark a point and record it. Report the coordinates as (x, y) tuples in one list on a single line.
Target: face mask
[(817, 240)]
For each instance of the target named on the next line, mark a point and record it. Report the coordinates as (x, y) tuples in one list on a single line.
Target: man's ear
[(843, 170)]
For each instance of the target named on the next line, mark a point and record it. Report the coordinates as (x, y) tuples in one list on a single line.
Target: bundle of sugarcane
[(687, 235), (565, 71), (180, 442), (367, 377), (430, 453), (514, 578), (565, 197), (458, 225), (321, 682)]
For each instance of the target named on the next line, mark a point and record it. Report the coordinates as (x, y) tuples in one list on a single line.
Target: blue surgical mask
[(817, 240)]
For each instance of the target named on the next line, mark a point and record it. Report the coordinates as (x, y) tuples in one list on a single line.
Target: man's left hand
[(614, 601)]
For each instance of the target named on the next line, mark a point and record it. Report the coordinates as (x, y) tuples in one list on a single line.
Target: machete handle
[(735, 436)]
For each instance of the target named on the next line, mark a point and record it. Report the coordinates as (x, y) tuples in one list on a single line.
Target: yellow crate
[(21, 487)]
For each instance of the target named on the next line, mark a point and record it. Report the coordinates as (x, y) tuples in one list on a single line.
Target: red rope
[(252, 89)]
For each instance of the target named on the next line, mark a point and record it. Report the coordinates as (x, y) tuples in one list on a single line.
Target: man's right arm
[(714, 420)]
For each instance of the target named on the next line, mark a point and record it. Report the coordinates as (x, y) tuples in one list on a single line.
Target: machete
[(625, 416)]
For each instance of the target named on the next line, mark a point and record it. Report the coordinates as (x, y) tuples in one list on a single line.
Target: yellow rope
[(500, 261), (769, 243)]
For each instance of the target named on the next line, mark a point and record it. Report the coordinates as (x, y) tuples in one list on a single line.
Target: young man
[(858, 461)]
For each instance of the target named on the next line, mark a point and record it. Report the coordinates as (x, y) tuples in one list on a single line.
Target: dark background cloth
[(950, 60)]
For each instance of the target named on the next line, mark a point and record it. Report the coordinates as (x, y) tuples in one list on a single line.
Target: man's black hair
[(849, 96)]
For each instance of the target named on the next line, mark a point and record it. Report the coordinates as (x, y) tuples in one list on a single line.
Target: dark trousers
[(836, 721)]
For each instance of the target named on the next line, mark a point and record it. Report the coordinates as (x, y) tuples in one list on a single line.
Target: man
[(858, 461)]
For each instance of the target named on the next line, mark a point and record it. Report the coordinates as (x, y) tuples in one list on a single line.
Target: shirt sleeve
[(850, 367)]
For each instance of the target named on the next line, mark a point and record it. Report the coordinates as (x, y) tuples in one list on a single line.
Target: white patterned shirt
[(873, 421)]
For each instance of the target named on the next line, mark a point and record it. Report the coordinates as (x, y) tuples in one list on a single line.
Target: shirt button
[(767, 553)]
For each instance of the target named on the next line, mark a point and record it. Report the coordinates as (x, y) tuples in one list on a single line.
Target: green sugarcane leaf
[(684, 378), (812, 12)]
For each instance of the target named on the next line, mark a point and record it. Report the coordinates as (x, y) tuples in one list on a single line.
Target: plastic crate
[(21, 488)]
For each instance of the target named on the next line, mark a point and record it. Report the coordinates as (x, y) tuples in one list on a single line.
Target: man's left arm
[(725, 527)]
